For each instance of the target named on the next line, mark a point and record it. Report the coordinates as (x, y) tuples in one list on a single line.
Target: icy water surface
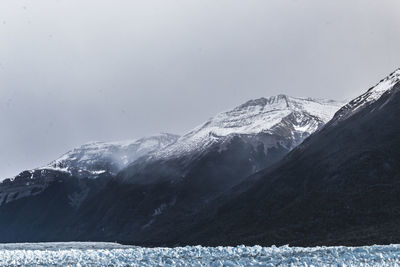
[(109, 254)]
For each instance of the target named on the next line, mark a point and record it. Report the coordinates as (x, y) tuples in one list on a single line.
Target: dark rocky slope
[(340, 187)]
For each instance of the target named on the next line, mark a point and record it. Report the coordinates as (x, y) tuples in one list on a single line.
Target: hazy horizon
[(72, 72)]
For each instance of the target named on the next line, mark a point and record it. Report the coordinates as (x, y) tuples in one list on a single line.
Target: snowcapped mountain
[(210, 160), (93, 159), (294, 118), (158, 179), (234, 179), (386, 85), (340, 186)]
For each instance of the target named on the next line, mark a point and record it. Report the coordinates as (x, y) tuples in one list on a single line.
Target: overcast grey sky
[(73, 71)]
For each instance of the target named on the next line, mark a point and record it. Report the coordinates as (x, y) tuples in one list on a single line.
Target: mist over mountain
[(98, 189)]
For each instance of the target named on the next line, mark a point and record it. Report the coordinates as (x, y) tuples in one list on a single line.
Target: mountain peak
[(262, 114), (111, 156), (265, 101), (396, 72), (386, 84), (372, 95), (257, 116), (283, 101)]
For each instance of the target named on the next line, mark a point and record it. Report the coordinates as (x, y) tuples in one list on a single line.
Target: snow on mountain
[(95, 158), (285, 120), (301, 116), (386, 85), (88, 161)]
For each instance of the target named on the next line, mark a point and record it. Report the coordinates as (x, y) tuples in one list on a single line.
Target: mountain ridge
[(152, 190), (370, 96), (253, 117), (340, 187)]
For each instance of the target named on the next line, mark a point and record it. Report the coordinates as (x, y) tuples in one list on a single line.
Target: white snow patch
[(98, 172), (55, 168)]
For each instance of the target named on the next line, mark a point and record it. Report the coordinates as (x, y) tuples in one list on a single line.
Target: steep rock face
[(340, 187)]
